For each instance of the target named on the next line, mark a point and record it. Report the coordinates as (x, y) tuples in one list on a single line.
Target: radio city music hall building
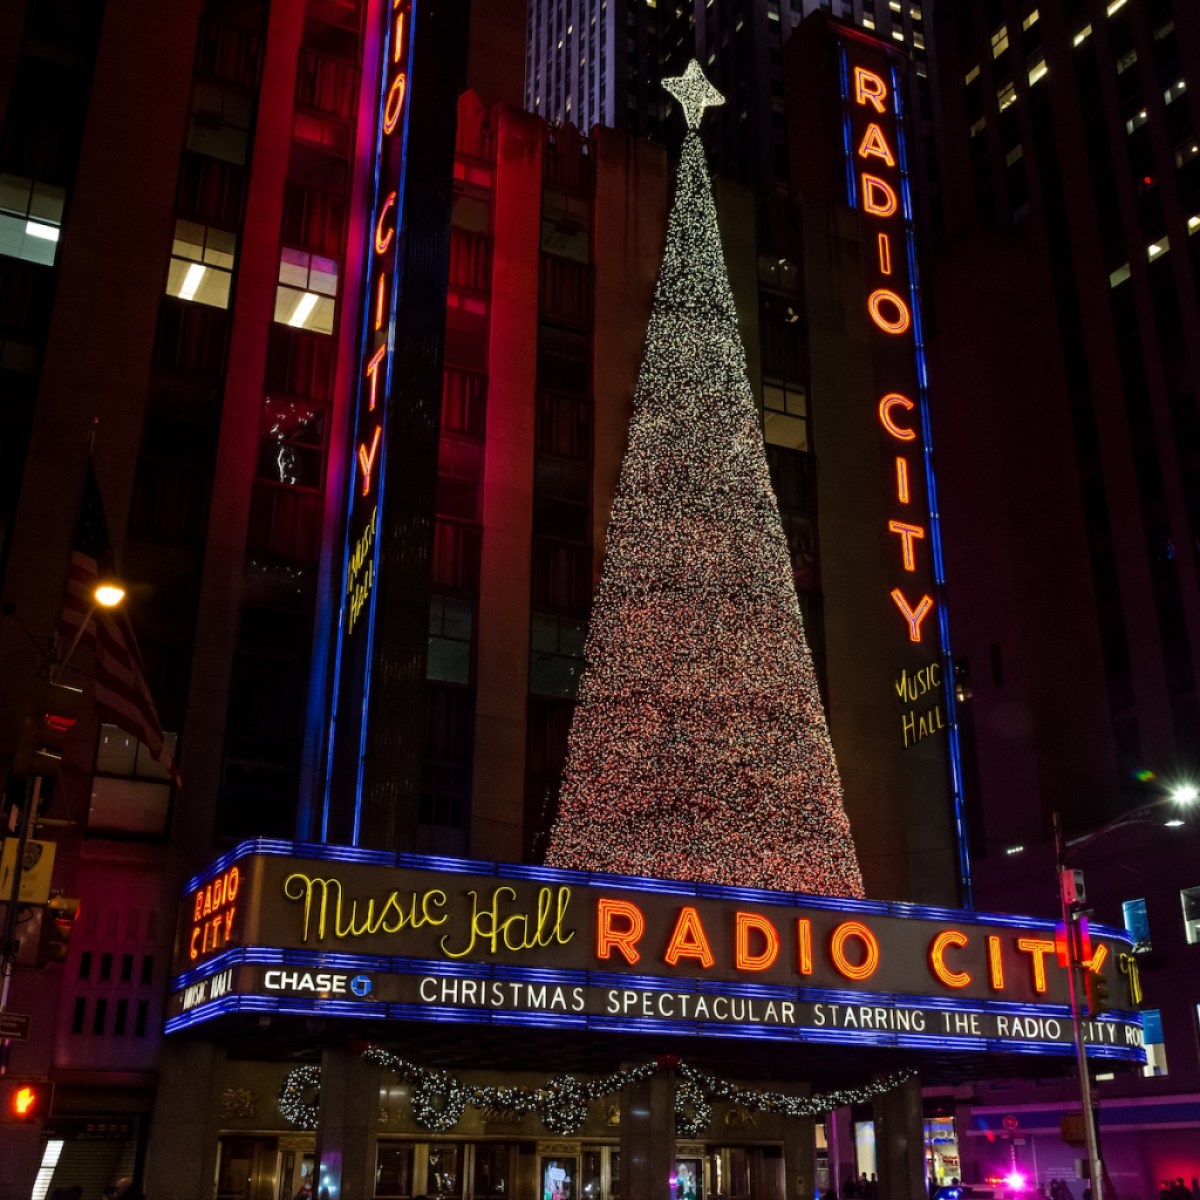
[(361, 463)]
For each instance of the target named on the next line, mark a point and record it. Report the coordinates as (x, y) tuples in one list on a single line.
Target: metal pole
[(33, 795), (1095, 1167)]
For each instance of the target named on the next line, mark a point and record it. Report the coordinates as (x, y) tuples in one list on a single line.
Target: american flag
[(122, 695)]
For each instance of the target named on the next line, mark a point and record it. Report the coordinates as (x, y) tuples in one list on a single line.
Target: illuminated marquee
[(357, 933)]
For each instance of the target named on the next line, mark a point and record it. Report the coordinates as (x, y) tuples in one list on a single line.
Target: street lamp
[(106, 593), (1070, 896)]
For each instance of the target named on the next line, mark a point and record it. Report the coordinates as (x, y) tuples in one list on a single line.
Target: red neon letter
[(380, 296), (896, 324), (1037, 949), (878, 197), (995, 964), (610, 936), (907, 535), (914, 616), (384, 240), (398, 39), (366, 461), (890, 401), (372, 365), (937, 958), (394, 103), (902, 479), (885, 254), (688, 940), (804, 945), (874, 145), (837, 943), (869, 88), (744, 960)]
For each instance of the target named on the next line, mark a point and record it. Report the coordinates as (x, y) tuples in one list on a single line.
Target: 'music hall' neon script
[(435, 939)]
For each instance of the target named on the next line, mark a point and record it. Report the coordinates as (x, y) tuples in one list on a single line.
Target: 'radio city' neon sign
[(877, 194), (378, 335)]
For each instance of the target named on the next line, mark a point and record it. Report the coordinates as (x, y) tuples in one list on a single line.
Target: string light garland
[(699, 747), (439, 1099), (297, 1084)]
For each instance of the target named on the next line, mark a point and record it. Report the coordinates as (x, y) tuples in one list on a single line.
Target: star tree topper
[(694, 93)]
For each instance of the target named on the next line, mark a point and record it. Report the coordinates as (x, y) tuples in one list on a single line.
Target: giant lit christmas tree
[(699, 748)]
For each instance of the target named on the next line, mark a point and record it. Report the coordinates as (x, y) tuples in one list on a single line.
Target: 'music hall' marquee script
[(291, 928)]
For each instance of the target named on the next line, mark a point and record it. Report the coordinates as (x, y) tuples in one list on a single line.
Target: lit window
[(201, 264), (307, 289), (1190, 899), (915, 13), (1155, 249), (1082, 36), (897, 34), (1126, 61), (1156, 1049), (1175, 90), (1005, 96), (1119, 276), (785, 416), (1137, 121), (978, 127), (1193, 223), (971, 75), (1137, 923), (1000, 41), (1186, 152), (556, 654), (1114, 5), (30, 218), (1037, 71), (1014, 155), (919, 41), (1164, 31), (1030, 20)]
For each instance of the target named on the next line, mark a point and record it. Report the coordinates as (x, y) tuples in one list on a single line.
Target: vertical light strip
[(954, 745), (50, 1157)]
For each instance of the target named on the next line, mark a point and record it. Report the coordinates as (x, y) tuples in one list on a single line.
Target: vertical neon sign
[(365, 503), (877, 184)]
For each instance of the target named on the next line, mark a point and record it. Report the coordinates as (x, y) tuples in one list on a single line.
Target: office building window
[(450, 622), (305, 298), (292, 444), (130, 791), (556, 654), (30, 218), (201, 264), (1190, 899), (785, 415)]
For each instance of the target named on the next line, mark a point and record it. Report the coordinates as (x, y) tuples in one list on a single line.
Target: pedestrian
[(1181, 1191), (1195, 1188)]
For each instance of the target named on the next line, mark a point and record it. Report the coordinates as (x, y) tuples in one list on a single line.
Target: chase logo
[(361, 985)]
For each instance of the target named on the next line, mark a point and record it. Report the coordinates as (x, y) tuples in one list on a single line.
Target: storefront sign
[(350, 933)]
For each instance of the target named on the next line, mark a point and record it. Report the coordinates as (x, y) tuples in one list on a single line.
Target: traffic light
[(58, 919), (1097, 994), (45, 730), (25, 1099)]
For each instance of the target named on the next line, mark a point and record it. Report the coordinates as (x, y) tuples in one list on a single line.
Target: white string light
[(699, 747)]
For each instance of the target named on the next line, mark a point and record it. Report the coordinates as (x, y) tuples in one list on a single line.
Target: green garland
[(439, 1099)]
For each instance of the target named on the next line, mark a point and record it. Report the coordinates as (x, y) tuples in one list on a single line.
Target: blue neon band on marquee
[(400, 1012)]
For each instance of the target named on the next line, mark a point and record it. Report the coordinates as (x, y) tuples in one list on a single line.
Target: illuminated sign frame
[(877, 184), (384, 250), (345, 932)]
